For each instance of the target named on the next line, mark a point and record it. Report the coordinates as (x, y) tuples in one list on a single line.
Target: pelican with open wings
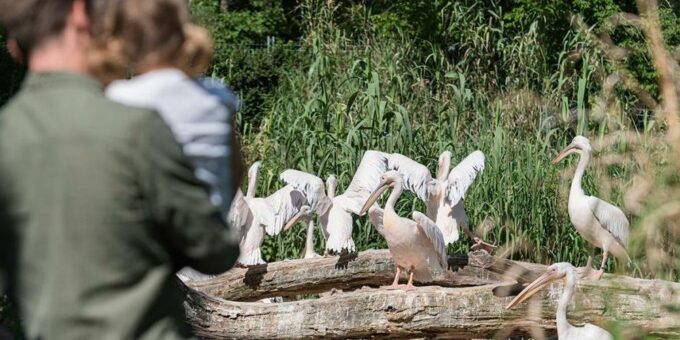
[(416, 245), (444, 194), (335, 212), (602, 224), (566, 273), (255, 216)]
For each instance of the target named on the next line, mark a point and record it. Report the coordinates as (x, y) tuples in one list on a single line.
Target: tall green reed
[(377, 92)]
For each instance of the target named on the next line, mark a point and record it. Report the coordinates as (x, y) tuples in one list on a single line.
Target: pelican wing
[(280, 207), (462, 176), (238, 212), (366, 179), (432, 232), (417, 178), (311, 186), (611, 218), (375, 215)]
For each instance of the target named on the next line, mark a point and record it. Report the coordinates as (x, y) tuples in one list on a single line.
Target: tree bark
[(297, 277), (458, 312)]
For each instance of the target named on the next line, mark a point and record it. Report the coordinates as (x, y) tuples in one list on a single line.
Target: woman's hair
[(134, 36)]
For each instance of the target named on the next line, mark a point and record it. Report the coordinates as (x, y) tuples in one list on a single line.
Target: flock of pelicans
[(418, 244)]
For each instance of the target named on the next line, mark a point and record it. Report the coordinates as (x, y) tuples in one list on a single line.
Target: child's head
[(138, 36)]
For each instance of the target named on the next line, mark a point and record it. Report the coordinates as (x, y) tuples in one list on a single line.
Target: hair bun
[(197, 50)]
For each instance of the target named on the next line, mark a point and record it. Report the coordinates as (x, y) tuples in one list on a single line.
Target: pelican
[(602, 224), (255, 216), (416, 245), (444, 194), (305, 216), (566, 273), (335, 212)]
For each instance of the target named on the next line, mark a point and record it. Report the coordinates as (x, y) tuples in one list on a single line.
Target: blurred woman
[(155, 42)]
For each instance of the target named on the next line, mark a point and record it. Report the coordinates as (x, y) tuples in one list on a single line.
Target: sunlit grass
[(386, 94)]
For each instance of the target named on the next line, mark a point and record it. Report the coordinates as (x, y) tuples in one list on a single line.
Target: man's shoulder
[(88, 111)]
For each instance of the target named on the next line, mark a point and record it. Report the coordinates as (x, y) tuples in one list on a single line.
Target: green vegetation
[(12, 74), (515, 79), (420, 77)]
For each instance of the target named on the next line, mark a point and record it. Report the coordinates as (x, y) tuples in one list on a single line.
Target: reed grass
[(496, 93)]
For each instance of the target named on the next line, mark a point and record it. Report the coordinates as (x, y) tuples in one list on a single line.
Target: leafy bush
[(12, 74)]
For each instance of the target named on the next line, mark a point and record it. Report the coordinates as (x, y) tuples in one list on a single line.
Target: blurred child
[(155, 41)]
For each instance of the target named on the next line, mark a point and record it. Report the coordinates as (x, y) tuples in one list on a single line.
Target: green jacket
[(102, 208)]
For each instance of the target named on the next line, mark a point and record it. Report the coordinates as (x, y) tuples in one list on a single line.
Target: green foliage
[(12, 74), (9, 318), (390, 95)]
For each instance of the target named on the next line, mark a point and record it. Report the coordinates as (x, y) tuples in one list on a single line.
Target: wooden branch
[(459, 313), (297, 277)]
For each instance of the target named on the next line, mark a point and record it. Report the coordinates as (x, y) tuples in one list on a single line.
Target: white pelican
[(335, 212), (417, 245), (253, 216), (603, 225), (565, 331), (305, 215), (443, 195)]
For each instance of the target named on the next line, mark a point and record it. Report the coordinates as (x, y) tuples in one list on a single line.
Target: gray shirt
[(199, 116)]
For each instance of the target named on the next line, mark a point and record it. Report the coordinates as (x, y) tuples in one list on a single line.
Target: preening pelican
[(253, 216), (305, 216), (417, 245), (566, 273), (602, 224), (335, 212), (443, 195)]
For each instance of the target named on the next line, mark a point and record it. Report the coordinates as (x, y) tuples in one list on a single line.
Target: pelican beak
[(374, 197), (534, 287), (299, 216), (571, 148)]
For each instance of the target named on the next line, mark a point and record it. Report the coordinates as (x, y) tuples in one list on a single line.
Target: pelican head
[(390, 178), (578, 144), (304, 214), (556, 272)]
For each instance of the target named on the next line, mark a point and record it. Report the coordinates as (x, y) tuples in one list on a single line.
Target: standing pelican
[(602, 224), (565, 331), (335, 212), (443, 195), (417, 245), (253, 216)]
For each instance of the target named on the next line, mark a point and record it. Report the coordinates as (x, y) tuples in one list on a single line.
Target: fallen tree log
[(297, 277), (462, 313)]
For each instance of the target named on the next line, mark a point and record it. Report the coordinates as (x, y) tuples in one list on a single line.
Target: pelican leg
[(409, 285), (586, 271), (396, 277), (598, 274), (395, 283)]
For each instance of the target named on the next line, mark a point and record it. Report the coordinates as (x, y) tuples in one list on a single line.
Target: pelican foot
[(312, 256), (588, 273), (393, 287), (409, 288), (481, 245), (596, 274)]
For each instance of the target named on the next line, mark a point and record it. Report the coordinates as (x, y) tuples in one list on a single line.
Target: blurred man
[(100, 205)]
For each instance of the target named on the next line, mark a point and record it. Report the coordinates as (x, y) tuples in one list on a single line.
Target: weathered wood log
[(430, 311), (459, 313), (297, 277)]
